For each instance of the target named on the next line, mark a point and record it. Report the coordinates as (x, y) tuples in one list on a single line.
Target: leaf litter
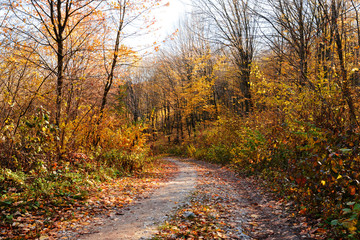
[(66, 216), (224, 206), (228, 206)]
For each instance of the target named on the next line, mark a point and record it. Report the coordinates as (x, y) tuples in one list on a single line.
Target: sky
[(167, 18), (169, 15)]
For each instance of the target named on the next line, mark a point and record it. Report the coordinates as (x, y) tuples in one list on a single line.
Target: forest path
[(222, 205), (140, 221)]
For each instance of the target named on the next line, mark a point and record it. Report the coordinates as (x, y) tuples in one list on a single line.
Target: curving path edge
[(142, 218)]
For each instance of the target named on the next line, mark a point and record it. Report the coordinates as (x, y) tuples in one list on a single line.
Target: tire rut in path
[(142, 218)]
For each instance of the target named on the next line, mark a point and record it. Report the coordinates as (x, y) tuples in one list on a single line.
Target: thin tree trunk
[(110, 77), (60, 77), (345, 84)]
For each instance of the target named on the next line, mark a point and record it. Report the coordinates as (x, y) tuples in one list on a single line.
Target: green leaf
[(347, 210), (6, 203), (345, 150), (334, 222), (357, 207)]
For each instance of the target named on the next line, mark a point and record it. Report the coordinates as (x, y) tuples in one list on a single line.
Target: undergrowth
[(50, 191), (316, 168)]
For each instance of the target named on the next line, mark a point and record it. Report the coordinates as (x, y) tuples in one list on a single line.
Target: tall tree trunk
[(110, 76), (357, 28), (60, 81), (246, 87), (60, 77), (345, 81)]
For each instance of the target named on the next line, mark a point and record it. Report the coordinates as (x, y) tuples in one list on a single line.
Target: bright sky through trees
[(167, 17)]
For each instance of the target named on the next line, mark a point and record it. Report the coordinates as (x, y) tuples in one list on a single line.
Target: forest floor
[(228, 206), (203, 201), (66, 217), (140, 220), (196, 200)]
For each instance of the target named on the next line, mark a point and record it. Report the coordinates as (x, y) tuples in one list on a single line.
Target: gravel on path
[(140, 220), (204, 201), (252, 212)]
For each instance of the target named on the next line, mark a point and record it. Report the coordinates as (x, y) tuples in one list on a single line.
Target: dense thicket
[(60, 63)]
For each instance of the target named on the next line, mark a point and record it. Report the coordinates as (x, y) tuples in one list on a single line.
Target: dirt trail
[(140, 221), (250, 207), (239, 207)]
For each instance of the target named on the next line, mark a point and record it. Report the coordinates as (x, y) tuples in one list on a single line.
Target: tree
[(336, 7), (123, 14), (58, 31), (51, 23), (293, 21), (234, 25)]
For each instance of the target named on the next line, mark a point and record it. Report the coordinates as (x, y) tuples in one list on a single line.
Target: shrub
[(123, 161)]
